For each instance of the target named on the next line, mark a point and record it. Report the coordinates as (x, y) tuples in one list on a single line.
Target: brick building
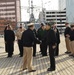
[(10, 12)]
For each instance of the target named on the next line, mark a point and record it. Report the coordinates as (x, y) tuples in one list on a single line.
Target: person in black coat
[(57, 38), (9, 40), (51, 42)]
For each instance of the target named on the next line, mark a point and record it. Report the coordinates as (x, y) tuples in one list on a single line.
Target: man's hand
[(40, 41), (67, 35), (54, 47)]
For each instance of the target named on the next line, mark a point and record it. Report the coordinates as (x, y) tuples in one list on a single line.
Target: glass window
[(7, 3)]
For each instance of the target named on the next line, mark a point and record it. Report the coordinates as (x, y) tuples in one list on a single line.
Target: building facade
[(56, 16), (62, 4), (9, 12), (70, 11)]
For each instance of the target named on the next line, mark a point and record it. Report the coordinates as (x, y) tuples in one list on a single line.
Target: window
[(7, 7), (61, 15), (7, 3)]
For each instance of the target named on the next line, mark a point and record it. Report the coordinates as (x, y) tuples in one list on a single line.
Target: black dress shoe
[(71, 55), (67, 52), (50, 69), (32, 71)]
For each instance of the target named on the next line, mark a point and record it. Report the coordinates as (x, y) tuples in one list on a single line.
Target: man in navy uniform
[(28, 39), (54, 27), (71, 36)]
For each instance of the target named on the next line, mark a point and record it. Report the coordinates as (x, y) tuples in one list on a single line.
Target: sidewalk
[(11, 66)]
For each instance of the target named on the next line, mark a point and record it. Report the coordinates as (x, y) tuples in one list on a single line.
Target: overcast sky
[(48, 4)]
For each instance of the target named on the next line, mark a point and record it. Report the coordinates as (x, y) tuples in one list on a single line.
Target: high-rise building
[(59, 17), (62, 4), (54, 15), (70, 11), (9, 12)]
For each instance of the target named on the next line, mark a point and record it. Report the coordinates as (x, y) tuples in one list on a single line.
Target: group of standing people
[(47, 36), (41, 33), (69, 39)]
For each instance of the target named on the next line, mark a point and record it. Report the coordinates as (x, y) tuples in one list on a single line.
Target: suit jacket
[(51, 37), (28, 38)]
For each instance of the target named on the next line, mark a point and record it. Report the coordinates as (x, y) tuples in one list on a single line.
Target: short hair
[(66, 23), (43, 24)]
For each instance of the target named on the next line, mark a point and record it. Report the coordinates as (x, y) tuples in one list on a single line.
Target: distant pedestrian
[(9, 40), (19, 33), (72, 40), (51, 42), (57, 38), (28, 39), (67, 40)]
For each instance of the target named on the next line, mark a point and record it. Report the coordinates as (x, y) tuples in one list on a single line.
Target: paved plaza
[(11, 66)]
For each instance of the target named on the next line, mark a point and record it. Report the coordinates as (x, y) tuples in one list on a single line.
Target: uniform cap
[(30, 24)]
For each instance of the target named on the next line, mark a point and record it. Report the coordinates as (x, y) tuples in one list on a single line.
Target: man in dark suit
[(51, 42), (57, 38)]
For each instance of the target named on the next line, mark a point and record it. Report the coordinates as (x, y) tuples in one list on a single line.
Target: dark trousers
[(52, 59), (20, 45), (57, 50), (34, 49), (43, 48), (10, 48)]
